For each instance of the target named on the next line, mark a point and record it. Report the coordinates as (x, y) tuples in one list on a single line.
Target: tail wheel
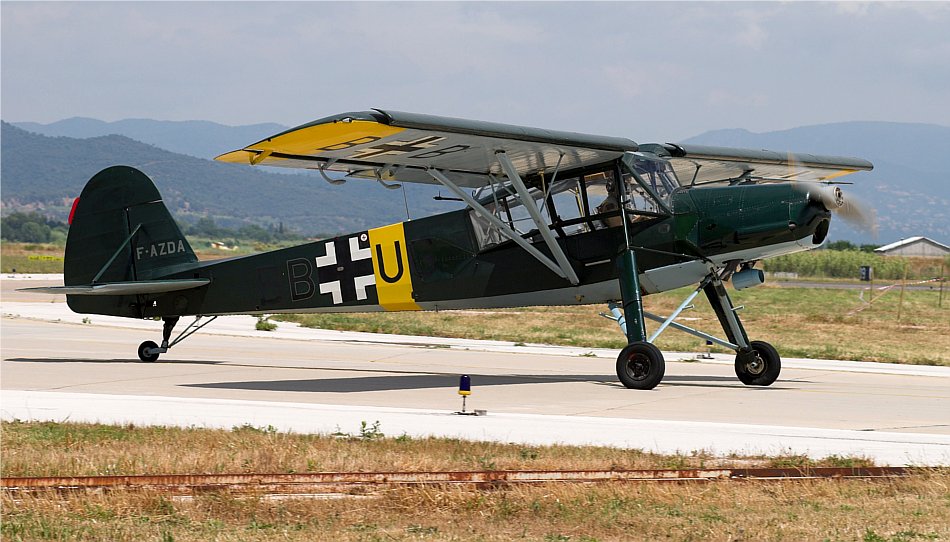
[(148, 351), (760, 366), (640, 366)]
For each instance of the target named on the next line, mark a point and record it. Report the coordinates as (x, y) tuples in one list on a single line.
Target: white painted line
[(884, 448)]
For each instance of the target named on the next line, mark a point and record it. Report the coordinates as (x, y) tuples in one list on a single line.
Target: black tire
[(148, 357), (640, 366), (760, 367)]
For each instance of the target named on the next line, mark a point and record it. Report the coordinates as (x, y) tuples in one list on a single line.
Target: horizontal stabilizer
[(123, 288)]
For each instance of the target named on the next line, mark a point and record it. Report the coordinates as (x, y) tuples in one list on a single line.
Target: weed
[(846, 461), (419, 529), (264, 324), (248, 428), (487, 463), (370, 432)]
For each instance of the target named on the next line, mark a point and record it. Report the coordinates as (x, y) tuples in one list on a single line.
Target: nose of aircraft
[(830, 197), (848, 207)]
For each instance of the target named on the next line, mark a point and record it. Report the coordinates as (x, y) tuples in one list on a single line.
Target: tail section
[(121, 232)]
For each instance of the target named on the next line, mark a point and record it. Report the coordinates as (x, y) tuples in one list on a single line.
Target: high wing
[(389, 145), (702, 164)]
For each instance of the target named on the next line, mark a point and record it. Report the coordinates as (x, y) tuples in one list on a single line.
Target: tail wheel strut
[(149, 351)]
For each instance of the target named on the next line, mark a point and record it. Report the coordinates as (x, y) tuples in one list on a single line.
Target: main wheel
[(147, 351), (640, 366), (760, 367)]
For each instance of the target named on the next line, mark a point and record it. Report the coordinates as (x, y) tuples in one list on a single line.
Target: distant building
[(915, 246)]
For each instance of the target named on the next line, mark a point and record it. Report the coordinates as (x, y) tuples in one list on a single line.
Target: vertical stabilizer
[(121, 231)]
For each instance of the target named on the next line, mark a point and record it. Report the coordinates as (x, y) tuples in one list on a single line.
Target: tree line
[(34, 227)]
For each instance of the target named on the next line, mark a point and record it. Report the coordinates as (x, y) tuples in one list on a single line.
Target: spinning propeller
[(851, 209)]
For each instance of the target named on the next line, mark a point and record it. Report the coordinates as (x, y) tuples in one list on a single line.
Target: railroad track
[(344, 482)]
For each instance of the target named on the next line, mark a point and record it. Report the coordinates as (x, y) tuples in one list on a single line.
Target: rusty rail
[(325, 482)]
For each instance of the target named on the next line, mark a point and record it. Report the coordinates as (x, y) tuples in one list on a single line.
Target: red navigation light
[(72, 212)]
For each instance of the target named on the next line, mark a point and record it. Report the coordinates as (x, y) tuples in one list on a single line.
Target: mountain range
[(198, 138), (45, 173), (45, 165)]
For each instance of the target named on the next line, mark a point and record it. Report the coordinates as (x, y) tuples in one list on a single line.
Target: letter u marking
[(382, 265)]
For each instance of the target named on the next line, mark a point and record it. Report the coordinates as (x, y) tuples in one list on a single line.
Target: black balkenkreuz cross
[(398, 147), (346, 270)]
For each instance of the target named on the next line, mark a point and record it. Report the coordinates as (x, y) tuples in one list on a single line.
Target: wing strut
[(529, 205), (495, 221)]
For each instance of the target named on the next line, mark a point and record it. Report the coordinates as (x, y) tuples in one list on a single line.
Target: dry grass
[(915, 508), (31, 257), (54, 449), (902, 510), (800, 322)]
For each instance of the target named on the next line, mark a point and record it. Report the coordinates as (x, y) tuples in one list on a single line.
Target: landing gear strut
[(641, 365), (149, 351)]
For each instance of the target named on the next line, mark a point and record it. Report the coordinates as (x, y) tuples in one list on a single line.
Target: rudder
[(121, 231)]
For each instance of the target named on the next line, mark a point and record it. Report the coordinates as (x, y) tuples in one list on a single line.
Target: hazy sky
[(648, 71)]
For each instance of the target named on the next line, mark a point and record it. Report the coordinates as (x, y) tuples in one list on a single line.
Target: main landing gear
[(641, 366), (149, 351)]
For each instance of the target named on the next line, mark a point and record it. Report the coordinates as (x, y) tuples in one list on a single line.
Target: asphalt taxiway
[(56, 367)]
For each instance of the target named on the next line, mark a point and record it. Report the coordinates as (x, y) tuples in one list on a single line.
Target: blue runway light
[(465, 385)]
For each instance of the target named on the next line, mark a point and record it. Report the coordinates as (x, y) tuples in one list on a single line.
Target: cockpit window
[(576, 203), (655, 175)]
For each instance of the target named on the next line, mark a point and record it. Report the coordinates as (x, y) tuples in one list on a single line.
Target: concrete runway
[(308, 380)]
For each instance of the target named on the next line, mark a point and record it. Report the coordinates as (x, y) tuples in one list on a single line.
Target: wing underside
[(389, 145), (703, 164)]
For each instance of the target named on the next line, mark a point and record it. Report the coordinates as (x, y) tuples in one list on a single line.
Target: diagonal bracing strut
[(502, 227), (532, 209)]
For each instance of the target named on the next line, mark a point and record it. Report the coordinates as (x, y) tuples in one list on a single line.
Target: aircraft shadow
[(430, 381)]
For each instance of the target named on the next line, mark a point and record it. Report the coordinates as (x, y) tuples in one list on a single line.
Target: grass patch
[(915, 508), (31, 257), (68, 449)]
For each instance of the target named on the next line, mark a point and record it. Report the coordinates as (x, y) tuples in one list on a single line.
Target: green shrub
[(839, 264)]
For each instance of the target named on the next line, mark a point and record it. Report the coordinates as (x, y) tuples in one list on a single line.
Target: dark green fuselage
[(435, 262)]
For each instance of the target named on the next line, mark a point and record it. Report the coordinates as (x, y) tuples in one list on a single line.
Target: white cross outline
[(360, 283), (357, 253)]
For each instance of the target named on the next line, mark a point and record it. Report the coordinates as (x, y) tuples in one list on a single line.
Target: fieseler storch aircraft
[(551, 218)]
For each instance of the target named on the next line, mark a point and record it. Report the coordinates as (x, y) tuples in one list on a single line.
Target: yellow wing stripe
[(837, 174), (391, 267), (313, 141)]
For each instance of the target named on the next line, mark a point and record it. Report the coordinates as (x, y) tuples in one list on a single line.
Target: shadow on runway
[(128, 361), (431, 381)]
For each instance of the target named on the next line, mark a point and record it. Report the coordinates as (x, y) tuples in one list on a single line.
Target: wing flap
[(123, 288)]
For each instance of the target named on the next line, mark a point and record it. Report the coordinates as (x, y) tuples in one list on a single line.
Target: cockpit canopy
[(577, 202)]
